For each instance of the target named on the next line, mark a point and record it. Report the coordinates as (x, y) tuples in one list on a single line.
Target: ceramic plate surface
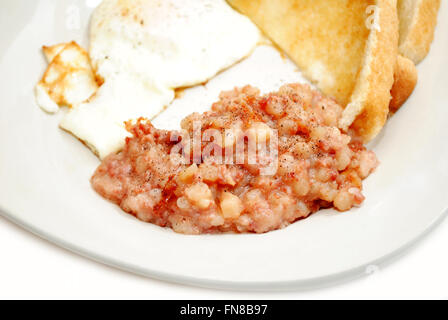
[(45, 172)]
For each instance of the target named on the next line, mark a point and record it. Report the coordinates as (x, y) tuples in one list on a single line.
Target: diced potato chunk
[(260, 132), (231, 205), (200, 195), (188, 174)]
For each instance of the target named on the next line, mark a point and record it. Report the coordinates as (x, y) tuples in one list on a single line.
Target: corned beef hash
[(312, 165)]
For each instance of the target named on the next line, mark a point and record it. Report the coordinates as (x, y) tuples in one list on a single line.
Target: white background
[(32, 268)]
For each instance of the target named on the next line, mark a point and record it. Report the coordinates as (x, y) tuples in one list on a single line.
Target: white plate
[(44, 177)]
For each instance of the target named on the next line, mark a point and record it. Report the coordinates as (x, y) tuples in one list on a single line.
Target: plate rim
[(263, 286)]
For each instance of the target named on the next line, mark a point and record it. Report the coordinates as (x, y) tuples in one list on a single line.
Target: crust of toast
[(418, 19), (406, 77), (367, 111)]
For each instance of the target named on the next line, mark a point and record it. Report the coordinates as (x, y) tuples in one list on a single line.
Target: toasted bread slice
[(418, 19), (405, 81), (337, 47)]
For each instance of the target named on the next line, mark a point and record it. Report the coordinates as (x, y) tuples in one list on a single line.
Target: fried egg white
[(143, 50), (99, 123), (68, 80)]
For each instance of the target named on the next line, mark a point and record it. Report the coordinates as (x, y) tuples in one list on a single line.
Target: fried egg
[(175, 43), (143, 50)]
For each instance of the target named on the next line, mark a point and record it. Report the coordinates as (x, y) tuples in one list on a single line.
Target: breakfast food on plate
[(405, 81), (318, 166), (69, 78), (254, 162), (143, 50), (347, 48), (418, 19)]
